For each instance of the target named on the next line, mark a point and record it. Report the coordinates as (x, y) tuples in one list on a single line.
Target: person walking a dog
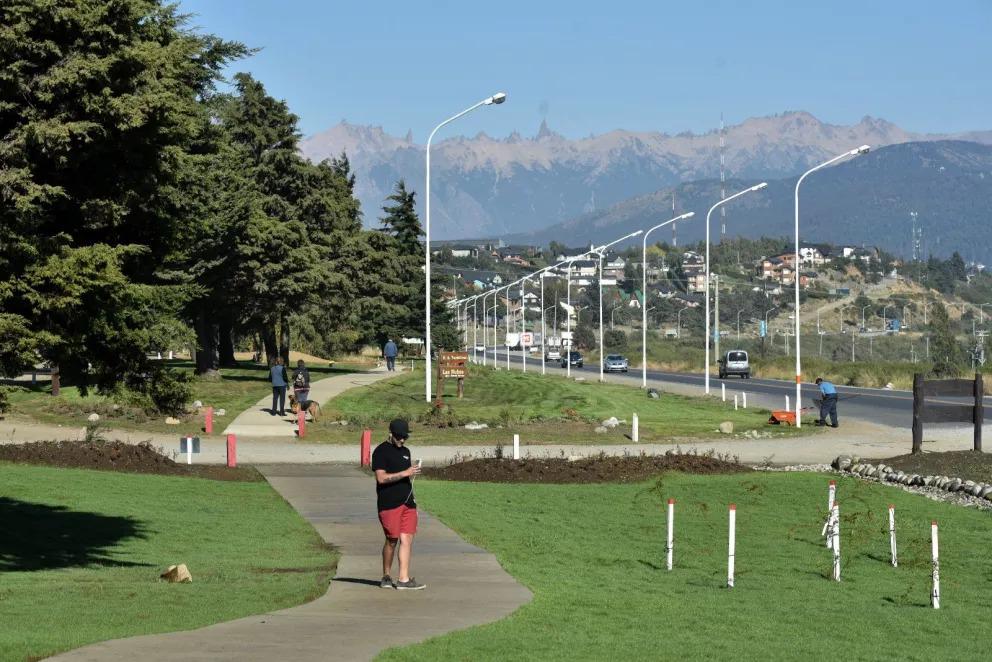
[(828, 403), (397, 508), (280, 380), (301, 382), (389, 352)]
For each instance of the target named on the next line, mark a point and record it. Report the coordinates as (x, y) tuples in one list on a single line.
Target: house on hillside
[(863, 253), (814, 255)]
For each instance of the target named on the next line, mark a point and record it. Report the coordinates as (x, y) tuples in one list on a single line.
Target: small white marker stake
[(831, 496), (835, 535), (935, 593), (732, 537), (735, 402), (892, 535), (670, 545), (723, 392), (516, 447), (744, 395), (787, 406), (634, 428), (189, 450)]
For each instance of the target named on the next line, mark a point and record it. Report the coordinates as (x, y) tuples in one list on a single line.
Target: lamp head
[(688, 215), (497, 99), (864, 149), (760, 186)]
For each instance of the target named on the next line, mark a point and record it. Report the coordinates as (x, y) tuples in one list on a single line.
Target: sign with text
[(453, 364), (526, 339)]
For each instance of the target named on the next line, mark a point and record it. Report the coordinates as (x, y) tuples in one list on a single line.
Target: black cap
[(399, 428)]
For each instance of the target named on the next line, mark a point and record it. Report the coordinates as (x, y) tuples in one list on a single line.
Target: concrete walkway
[(355, 619), (259, 421)]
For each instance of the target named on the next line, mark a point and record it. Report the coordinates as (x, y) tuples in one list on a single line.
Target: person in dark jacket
[(280, 380), (301, 381), (389, 351)]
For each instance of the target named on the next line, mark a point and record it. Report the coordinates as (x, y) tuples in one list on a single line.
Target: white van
[(735, 362)]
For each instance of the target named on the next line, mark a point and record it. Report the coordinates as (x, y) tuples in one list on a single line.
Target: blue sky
[(589, 67)]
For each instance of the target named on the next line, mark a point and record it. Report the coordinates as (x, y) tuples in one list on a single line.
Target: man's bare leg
[(388, 549), (406, 549)]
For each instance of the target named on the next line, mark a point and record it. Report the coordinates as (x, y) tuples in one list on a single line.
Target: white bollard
[(892, 535), (744, 396), (634, 428), (670, 545), (189, 450), (735, 402), (516, 447), (732, 538), (787, 406), (835, 535), (935, 594), (723, 392), (831, 496)]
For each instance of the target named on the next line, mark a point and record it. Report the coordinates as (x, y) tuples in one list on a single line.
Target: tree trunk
[(207, 360), (227, 359), (284, 340), (269, 343)]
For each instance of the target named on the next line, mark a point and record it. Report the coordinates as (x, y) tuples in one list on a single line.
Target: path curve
[(355, 619)]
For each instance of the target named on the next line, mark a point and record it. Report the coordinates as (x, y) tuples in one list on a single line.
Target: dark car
[(574, 357)]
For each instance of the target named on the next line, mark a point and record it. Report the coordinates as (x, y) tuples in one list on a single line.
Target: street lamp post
[(678, 322), (601, 251), (739, 324), (644, 295), (841, 326), (854, 152), (863, 309), (495, 99), (884, 320), (706, 340)]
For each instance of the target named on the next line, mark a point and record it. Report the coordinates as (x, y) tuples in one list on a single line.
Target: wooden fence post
[(979, 410), (917, 413)]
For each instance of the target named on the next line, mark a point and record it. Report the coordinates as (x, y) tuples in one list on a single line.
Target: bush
[(615, 339), (4, 401), (169, 391)]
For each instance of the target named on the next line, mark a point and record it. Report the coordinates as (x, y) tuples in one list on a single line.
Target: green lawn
[(235, 390), (544, 409), (594, 557), (81, 552)]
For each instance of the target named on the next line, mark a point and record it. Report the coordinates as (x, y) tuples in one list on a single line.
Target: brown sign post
[(942, 412), (454, 365)]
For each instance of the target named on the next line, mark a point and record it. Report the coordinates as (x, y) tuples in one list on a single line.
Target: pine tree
[(401, 221), (945, 353)]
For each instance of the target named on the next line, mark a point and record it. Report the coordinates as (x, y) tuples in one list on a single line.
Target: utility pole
[(716, 314), (723, 181)]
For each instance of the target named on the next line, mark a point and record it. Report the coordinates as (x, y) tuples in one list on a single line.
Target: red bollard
[(301, 423), (208, 420), (232, 451), (366, 457)]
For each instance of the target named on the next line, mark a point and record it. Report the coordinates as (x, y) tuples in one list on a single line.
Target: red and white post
[(232, 450), (835, 539), (732, 544), (670, 544), (892, 535), (831, 497), (208, 420), (935, 592)]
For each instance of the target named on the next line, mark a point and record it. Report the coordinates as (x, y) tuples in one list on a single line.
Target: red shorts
[(402, 519)]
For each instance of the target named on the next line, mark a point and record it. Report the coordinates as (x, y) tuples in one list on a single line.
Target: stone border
[(942, 488)]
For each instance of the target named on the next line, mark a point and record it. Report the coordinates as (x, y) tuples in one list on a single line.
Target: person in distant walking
[(390, 351), (301, 382), (280, 380), (828, 402), (396, 505)]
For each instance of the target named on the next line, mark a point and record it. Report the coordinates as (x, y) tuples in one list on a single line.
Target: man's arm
[(384, 478)]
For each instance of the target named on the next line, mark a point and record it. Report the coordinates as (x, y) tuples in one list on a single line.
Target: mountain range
[(489, 187), (864, 201)]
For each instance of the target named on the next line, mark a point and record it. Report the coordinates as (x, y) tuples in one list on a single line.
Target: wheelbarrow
[(785, 417)]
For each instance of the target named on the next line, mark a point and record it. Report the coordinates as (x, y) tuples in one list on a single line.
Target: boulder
[(171, 420), (177, 574), (653, 393), (93, 418), (197, 404), (610, 423), (600, 429), (475, 425), (954, 485), (220, 412), (976, 490), (987, 490), (727, 427)]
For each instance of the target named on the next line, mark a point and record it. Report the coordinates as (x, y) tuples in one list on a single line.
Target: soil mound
[(116, 456), (595, 469)]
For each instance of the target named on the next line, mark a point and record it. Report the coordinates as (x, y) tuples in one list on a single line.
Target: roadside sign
[(189, 445), (453, 365), (762, 328), (526, 339)]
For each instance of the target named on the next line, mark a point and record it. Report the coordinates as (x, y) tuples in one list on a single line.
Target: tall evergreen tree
[(945, 353)]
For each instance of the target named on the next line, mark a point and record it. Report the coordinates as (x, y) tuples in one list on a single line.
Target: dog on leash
[(311, 407)]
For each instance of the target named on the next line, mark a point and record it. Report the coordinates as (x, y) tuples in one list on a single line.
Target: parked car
[(480, 348), (734, 362), (615, 363), (574, 358), (552, 354)]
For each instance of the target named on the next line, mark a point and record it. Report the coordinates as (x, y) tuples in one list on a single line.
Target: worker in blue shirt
[(828, 402)]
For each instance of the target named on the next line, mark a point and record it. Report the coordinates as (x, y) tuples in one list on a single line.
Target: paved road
[(886, 407)]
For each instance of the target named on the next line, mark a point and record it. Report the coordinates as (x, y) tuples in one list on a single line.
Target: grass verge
[(545, 409), (594, 557), (81, 552)]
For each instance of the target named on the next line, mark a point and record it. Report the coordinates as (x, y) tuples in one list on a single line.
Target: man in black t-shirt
[(397, 508)]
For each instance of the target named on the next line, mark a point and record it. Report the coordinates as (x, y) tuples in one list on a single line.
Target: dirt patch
[(117, 456), (595, 469), (967, 465)]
